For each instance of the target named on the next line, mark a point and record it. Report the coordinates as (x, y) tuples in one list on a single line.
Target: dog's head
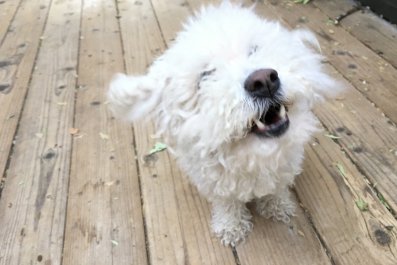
[(231, 75)]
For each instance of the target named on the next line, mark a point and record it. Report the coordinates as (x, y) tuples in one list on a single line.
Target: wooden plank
[(335, 8), (7, 12), (370, 29), (278, 243), (330, 188), (366, 135), (367, 71), (170, 15), (34, 201), (104, 216), (375, 33), (177, 218), (17, 55)]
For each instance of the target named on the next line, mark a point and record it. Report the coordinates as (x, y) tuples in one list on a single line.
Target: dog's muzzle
[(263, 84)]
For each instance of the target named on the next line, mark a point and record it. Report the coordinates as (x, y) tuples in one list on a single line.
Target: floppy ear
[(132, 97), (315, 74)]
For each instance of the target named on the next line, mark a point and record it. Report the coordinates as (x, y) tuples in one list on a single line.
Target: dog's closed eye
[(252, 50), (204, 75)]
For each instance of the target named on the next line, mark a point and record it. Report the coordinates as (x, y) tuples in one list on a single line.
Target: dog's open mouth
[(273, 123)]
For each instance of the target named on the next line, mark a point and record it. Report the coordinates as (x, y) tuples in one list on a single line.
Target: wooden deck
[(75, 189)]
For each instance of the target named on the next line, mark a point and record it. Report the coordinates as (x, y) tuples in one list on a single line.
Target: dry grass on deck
[(75, 189)]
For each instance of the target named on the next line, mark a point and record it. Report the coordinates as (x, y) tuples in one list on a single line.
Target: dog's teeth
[(282, 111), (260, 125)]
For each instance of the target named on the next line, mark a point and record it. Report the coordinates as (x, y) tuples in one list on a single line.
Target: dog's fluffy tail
[(133, 97)]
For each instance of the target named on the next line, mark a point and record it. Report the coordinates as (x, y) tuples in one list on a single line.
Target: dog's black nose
[(262, 83)]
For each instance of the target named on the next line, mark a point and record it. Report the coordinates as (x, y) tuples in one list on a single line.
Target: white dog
[(232, 98)]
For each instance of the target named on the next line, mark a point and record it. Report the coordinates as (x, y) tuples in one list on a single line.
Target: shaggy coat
[(196, 94)]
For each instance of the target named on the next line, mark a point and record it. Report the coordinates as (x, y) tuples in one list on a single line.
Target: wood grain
[(375, 33), (7, 12), (34, 200), (278, 243), (367, 27), (104, 215), (367, 71), (329, 188), (366, 136), (335, 8), (177, 218), (170, 16), (17, 57)]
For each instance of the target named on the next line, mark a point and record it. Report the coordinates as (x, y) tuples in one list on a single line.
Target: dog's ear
[(133, 97), (315, 73)]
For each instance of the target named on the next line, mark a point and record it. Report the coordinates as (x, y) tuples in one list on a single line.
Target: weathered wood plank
[(278, 243), (170, 16), (17, 55), (335, 8), (367, 71), (370, 29), (177, 218), (366, 135), (33, 203), (329, 188), (7, 12), (375, 33), (104, 215)]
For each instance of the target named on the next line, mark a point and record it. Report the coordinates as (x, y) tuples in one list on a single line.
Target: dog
[(232, 98)]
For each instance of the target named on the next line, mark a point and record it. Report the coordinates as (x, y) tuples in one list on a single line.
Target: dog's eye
[(252, 50), (204, 75), (207, 73)]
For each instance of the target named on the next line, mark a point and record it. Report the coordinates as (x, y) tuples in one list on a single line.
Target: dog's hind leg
[(277, 206), (231, 221)]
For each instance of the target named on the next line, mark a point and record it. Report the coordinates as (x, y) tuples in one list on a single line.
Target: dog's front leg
[(231, 220), (278, 206)]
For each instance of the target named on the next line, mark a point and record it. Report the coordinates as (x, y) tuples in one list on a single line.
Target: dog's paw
[(280, 209), (235, 234), (231, 221)]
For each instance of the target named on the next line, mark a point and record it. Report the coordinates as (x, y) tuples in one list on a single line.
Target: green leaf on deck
[(302, 1), (341, 169), (362, 205), (383, 201), (332, 136), (158, 147), (104, 136)]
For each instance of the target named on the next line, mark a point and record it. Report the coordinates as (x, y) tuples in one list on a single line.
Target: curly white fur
[(195, 92)]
